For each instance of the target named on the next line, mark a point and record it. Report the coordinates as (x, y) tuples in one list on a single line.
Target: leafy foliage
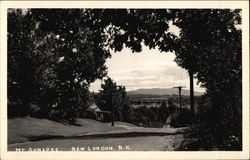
[(113, 98), (53, 58), (211, 48)]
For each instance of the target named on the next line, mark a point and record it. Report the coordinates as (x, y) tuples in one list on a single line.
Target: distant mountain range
[(162, 91)]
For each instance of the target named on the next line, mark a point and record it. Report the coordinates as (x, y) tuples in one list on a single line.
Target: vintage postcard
[(124, 80)]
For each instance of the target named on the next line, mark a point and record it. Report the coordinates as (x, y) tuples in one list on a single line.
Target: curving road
[(132, 139)]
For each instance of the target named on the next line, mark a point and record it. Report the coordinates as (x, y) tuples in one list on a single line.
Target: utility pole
[(180, 88)]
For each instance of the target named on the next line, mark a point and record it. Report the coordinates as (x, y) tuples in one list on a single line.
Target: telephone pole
[(180, 88)]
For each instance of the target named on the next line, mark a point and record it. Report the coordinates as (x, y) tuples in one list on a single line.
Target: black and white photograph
[(124, 79)]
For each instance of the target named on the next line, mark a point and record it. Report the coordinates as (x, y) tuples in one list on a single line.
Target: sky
[(147, 69)]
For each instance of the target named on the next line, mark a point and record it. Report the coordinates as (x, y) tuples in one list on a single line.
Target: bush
[(90, 114), (218, 125), (17, 109)]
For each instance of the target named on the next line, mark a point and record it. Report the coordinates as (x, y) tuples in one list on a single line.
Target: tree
[(63, 49), (163, 112), (211, 41), (29, 71), (121, 102), (113, 98)]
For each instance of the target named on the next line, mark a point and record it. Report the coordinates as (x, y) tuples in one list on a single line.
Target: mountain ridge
[(162, 91)]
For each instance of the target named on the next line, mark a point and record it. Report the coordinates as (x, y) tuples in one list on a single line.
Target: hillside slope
[(27, 129)]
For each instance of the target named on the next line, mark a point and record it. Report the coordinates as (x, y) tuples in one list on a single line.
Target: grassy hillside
[(28, 129)]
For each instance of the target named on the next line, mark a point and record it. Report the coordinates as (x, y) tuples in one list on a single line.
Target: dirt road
[(133, 139)]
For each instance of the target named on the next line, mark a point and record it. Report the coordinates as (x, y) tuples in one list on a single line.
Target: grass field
[(29, 129)]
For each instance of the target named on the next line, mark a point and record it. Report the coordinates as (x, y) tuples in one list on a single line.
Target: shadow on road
[(105, 135)]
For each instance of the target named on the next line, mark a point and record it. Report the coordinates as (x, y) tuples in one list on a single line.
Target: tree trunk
[(112, 111), (180, 99), (191, 93)]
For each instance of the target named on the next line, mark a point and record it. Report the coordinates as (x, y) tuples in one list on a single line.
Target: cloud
[(150, 76), (146, 70)]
